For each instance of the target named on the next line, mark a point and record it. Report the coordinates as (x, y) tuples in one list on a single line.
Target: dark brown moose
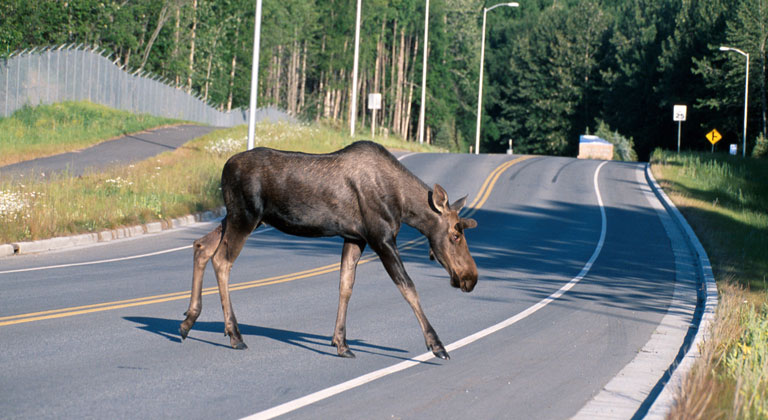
[(361, 193)]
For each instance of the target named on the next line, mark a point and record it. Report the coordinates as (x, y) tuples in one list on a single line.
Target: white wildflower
[(118, 182), (225, 146), (12, 203)]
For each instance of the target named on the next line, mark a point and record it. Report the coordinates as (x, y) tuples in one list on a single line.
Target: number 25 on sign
[(714, 136)]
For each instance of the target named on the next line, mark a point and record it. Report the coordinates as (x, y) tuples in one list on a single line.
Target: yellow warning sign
[(714, 136)]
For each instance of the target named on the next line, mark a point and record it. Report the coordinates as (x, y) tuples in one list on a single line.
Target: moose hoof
[(347, 354), (239, 346), (441, 353), (183, 332)]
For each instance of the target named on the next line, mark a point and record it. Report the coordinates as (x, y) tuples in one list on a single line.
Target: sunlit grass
[(33, 132), (170, 185), (725, 199)]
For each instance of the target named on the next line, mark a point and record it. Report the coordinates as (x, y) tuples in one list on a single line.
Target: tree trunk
[(231, 82), (192, 46), (392, 77), (293, 77), (376, 72), (278, 75), (762, 86), (160, 22), (407, 103), (363, 98), (210, 62), (176, 35), (303, 87), (234, 66), (399, 84), (127, 58)]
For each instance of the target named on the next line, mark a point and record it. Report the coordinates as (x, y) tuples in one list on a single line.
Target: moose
[(361, 193)]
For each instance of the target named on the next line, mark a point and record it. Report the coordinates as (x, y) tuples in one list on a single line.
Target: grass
[(169, 185), (725, 199), (33, 132)]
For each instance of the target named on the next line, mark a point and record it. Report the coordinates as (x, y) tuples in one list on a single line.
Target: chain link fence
[(74, 73)]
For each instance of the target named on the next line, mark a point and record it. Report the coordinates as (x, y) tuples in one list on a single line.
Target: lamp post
[(746, 96), (424, 74), (254, 76), (482, 59), (353, 102)]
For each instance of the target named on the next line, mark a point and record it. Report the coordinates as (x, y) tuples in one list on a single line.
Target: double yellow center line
[(477, 203)]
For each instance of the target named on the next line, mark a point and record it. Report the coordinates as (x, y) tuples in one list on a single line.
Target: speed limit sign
[(679, 112)]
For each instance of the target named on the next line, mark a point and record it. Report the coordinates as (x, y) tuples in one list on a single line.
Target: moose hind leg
[(203, 251), (229, 248), (350, 256)]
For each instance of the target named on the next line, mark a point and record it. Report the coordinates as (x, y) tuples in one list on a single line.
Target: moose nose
[(468, 284), (464, 282)]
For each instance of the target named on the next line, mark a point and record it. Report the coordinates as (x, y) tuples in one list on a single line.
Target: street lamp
[(482, 59), (746, 96), (353, 102), (424, 74), (254, 76)]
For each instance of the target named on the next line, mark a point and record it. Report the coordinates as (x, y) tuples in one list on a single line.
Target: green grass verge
[(33, 132), (725, 199), (169, 185)]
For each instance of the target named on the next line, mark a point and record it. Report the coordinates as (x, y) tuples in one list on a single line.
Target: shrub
[(623, 147), (761, 147)]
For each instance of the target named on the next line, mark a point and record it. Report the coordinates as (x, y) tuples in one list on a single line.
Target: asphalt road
[(122, 150), (101, 340)]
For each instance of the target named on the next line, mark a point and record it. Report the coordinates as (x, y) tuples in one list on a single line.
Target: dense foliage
[(554, 68)]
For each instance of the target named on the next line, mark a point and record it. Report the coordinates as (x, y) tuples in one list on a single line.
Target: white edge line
[(372, 376), (407, 155), (132, 257), (110, 260)]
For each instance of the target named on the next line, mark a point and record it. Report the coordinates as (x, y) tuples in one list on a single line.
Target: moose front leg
[(350, 256), (434, 344), (390, 257)]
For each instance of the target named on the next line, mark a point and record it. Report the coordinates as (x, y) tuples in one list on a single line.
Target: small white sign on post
[(679, 112), (734, 149), (374, 103)]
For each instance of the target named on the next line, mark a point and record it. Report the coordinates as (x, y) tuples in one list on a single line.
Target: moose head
[(447, 242)]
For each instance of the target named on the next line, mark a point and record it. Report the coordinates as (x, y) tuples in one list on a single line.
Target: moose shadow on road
[(317, 343)]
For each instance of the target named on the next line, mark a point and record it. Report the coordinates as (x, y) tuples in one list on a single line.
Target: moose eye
[(455, 237)]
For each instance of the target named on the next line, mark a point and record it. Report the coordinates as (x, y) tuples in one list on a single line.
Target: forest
[(553, 69)]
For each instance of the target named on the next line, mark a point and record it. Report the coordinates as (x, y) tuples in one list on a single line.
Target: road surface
[(576, 273)]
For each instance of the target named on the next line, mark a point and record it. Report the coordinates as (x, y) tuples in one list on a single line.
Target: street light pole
[(353, 102), (424, 74), (254, 76), (482, 60), (746, 97)]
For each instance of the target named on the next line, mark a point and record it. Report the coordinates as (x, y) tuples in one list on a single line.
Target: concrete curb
[(64, 242), (646, 387), (707, 293)]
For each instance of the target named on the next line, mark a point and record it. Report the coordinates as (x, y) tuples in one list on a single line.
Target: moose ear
[(468, 223), (439, 199), (459, 204)]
